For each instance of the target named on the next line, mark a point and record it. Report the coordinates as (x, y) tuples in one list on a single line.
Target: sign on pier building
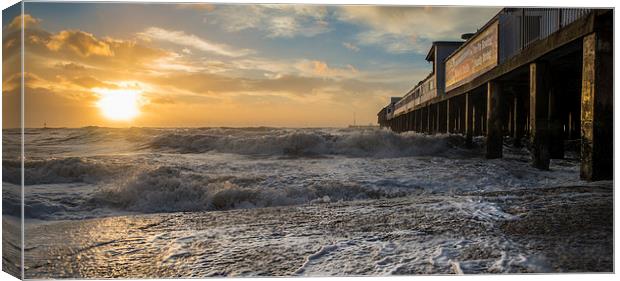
[(474, 58)]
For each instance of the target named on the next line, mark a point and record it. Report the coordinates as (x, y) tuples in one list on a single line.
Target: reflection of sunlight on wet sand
[(11, 244), (111, 247), (407, 235)]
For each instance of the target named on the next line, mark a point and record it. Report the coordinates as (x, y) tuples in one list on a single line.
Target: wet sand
[(555, 229)]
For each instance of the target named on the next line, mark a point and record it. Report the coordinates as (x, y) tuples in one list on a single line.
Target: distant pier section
[(541, 74)]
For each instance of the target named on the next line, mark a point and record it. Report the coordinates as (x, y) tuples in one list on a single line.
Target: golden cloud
[(89, 82), (322, 69), (28, 20), (82, 43), (70, 66)]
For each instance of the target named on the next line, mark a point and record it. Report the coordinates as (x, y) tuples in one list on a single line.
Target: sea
[(195, 202)]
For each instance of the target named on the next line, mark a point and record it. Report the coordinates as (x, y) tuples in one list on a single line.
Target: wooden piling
[(448, 115), (597, 106), (518, 120), (494, 120), (539, 106), (469, 124)]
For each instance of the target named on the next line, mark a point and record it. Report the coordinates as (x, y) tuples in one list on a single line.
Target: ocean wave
[(168, 189), (368, 143), (59, 170)]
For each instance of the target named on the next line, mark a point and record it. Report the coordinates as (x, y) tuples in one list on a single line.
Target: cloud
[(394, 43), (286, 21), (273, 68), (88, 82), (176, 62), (29, 22), (186, 87), (70, 66), (73, 50), (192, 41), (82, 43), (412, 29), (317, 68), (351, 46)]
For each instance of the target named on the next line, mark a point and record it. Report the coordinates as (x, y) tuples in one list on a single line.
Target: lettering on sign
[(474, 59)]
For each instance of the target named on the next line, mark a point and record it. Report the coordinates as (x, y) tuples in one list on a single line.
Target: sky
[(202, 65)]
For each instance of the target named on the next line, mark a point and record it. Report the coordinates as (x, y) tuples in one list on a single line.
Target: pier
[(539, 74)]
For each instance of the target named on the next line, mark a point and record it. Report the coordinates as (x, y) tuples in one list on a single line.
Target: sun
[(119, 105)]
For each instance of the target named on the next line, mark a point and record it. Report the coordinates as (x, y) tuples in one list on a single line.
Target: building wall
[(441, 53)]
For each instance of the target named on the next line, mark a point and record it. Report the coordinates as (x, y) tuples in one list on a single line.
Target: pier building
[(541, 74)]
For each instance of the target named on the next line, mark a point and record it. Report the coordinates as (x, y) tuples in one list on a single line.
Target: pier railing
[(423, 92), (520, 27)]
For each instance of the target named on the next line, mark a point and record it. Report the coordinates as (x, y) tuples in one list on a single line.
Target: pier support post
[(556, 130), (431, 108), (478, 117), (437, 117), (410, 121), (474, 119), (416, 124), (448, 109), (421, 121), (463, 113), (483, 114), (469, 122), (511, 124), (539, 106), (428, 119), (441, 115), (406, 121), (597, 106), (396, 124), (457, 117), (494, 120), (415, 120), (518, 121), (444, 118)]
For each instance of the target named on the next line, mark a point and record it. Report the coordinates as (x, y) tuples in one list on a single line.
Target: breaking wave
[(59, 170), (368, 143), (167, 189)]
